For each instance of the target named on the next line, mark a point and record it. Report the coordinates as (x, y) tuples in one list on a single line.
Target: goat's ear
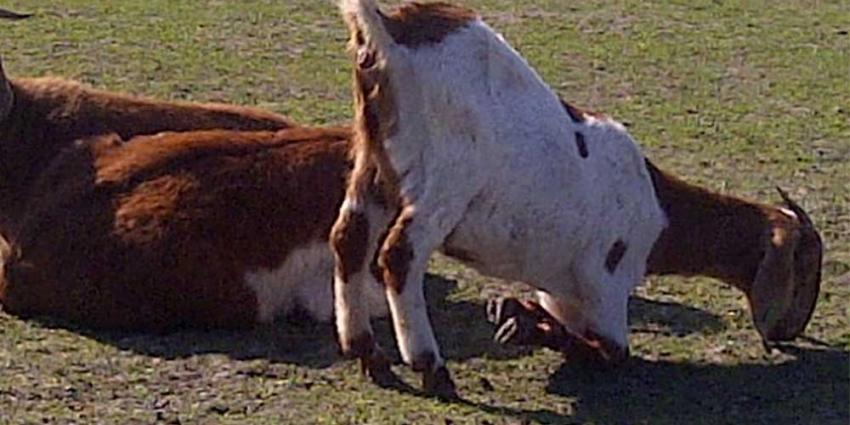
[(7, 97), (772, 292), (786, 287), (808, 259)]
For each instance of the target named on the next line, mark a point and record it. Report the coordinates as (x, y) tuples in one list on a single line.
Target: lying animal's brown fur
[(41, 116), (159, 232)]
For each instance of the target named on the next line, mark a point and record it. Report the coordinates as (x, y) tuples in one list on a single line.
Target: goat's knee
[(396, 256), (349, 241)]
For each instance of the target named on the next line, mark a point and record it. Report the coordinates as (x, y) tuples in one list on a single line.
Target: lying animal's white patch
[(305, 280)]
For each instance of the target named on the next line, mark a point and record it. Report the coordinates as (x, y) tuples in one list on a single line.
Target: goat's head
[(7, 97), (786, 286)]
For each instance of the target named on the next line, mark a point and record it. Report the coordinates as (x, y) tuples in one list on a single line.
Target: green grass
[(737, 96)]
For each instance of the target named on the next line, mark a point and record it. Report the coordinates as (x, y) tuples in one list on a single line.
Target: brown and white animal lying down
[(41, 116), (460, 146), (209, 229)]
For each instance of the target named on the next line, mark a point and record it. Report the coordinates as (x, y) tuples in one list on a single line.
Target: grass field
[(737, 96)]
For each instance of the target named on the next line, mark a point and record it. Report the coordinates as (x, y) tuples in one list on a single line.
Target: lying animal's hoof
[(517, 330), (502, 308), (438, 383)]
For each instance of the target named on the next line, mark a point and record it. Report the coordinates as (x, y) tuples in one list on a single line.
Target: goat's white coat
[(490, 166)]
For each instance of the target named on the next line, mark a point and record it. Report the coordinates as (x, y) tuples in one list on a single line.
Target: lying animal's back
[(161, 234), (48, 114), (85, 111)]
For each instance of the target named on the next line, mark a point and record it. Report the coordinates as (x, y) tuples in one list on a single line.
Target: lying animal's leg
[(354, 240), (524, 322), (403, 259)]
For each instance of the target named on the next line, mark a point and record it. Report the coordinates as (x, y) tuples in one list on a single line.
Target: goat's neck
[(708, 234)]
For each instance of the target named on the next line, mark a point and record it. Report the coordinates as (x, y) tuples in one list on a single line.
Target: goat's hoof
[(438, 383), (502, 308), (377, 368)]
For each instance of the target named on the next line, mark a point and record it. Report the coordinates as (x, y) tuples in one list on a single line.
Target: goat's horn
[(804, 218)]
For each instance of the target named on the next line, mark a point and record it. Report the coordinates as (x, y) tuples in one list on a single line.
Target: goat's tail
[(365, 17)]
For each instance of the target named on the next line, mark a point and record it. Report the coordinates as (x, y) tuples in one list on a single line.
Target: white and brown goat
[(41, 116), (460, 146)]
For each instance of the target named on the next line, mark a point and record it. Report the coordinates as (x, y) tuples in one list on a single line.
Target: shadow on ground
[(671, 318), (461, 326), (301, 341), (649, 391)]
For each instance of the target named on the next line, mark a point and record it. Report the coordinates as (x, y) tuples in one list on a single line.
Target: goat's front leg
[(403, 259), (354, 240), (597, 332)]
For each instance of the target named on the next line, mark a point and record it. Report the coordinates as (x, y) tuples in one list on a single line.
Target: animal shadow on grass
[(299, 340), (653, 316), (461, 326), (812, 388)]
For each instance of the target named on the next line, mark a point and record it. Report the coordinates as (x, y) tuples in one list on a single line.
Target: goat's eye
[(365, 59)]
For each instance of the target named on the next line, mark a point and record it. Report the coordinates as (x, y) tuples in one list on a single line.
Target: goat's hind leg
[(354, 240)]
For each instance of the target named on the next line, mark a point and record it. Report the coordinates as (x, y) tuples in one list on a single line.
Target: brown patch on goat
[(48, 114), (582, 145), (376, 118), (349, 238), (373, 179), (615, 255), (396, 255), (417, 24), (159, 232)]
